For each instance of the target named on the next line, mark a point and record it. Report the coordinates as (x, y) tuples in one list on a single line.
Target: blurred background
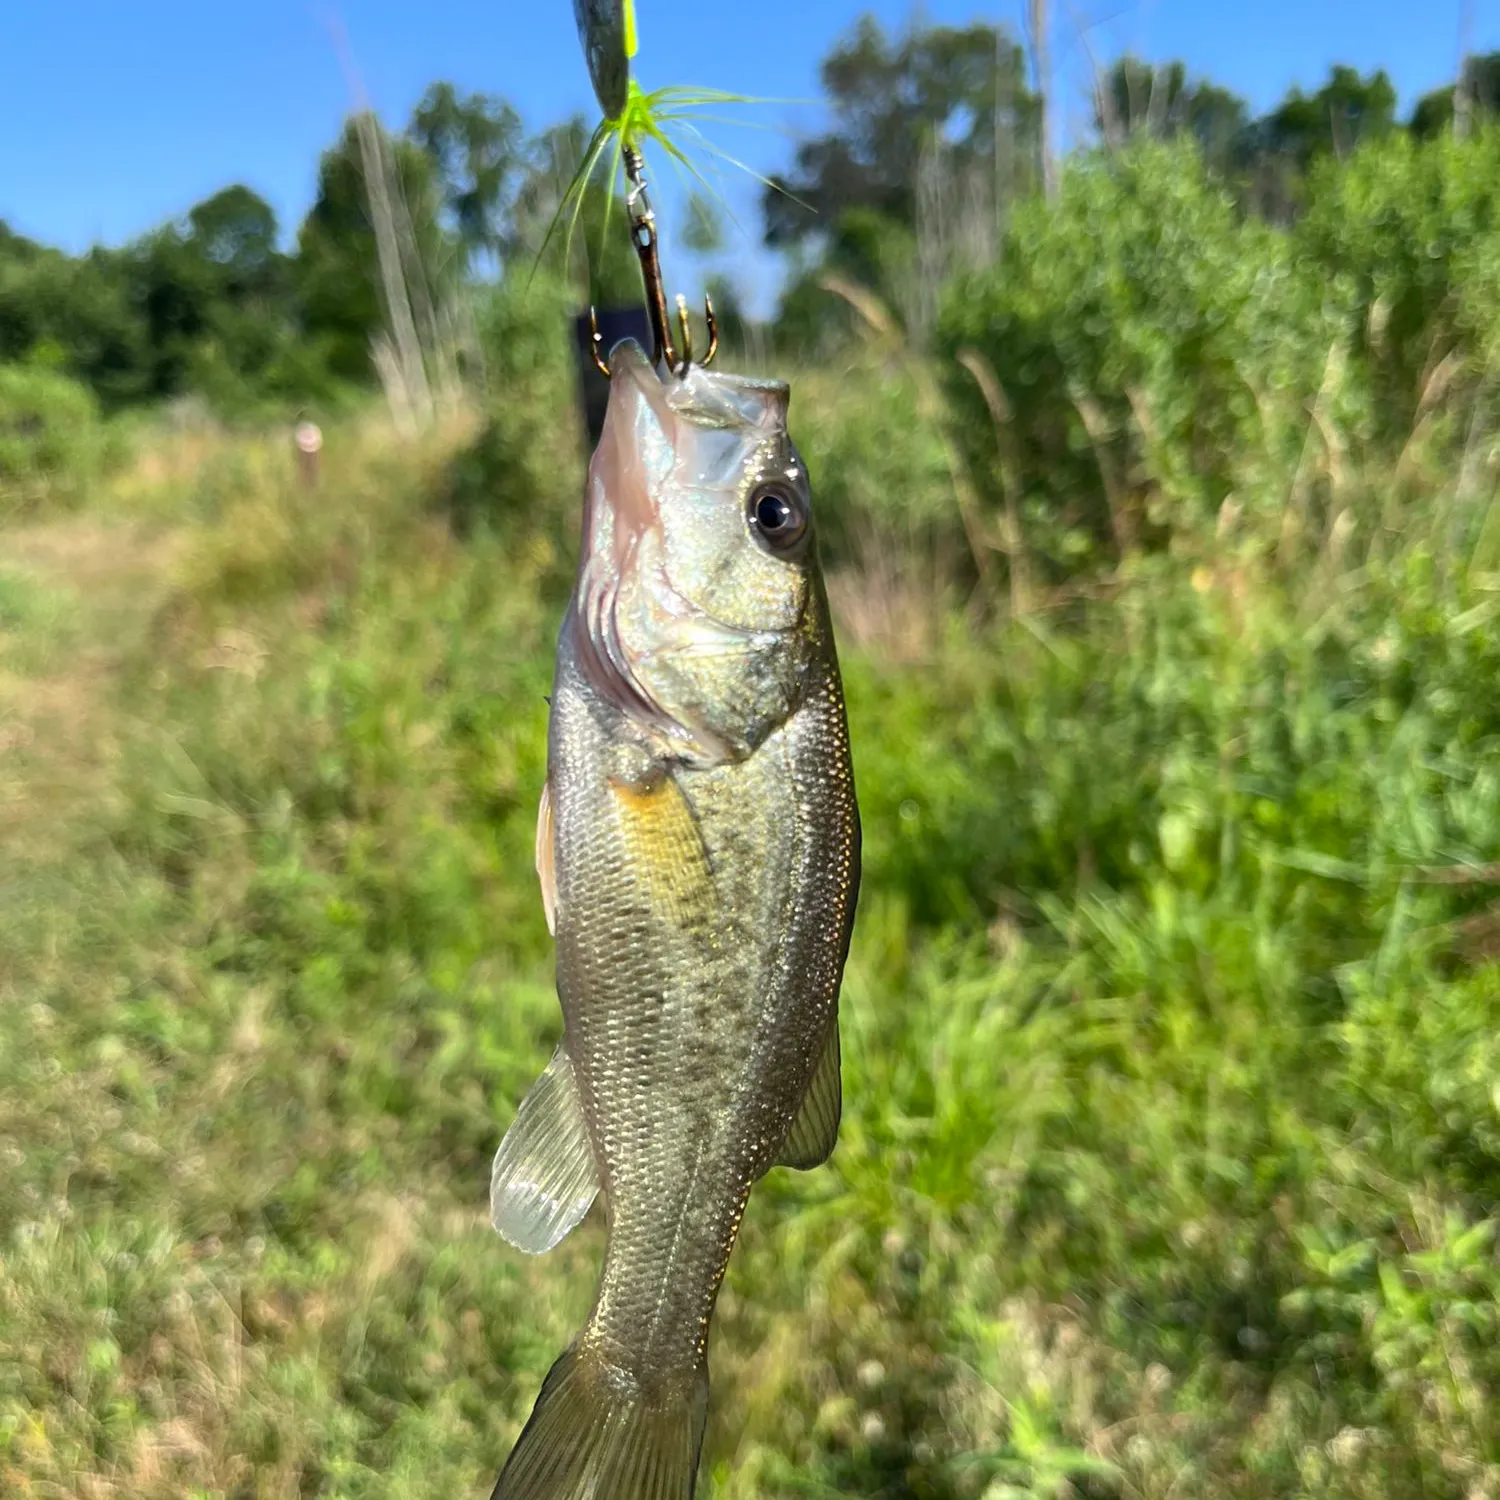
[(1146, 366)]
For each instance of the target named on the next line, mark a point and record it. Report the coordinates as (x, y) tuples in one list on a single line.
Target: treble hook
[(678, 359)]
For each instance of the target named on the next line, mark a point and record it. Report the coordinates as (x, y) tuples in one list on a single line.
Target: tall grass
[(1170, 1160)]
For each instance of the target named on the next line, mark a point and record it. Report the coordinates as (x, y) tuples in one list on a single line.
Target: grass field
[(1171, 1156)]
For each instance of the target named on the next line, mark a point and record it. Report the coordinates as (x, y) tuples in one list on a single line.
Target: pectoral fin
[(815, 1131), (544, 1177), (666, 847)]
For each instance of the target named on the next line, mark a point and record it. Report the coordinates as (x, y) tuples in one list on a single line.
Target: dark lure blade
[(603, 30)]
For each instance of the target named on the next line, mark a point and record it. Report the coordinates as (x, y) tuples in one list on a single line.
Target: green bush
[(1169, 1137), (523, 327), (1147, 341), (882, 483), (525, 468), (1413, 230), (53, 443)]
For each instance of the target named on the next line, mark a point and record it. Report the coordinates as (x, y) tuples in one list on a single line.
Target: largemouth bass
[(698, 848)]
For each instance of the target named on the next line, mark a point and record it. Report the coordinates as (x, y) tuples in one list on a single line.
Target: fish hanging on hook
[(698, 853)]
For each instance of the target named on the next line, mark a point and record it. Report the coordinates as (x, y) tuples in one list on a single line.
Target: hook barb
[(685, 332), (713, 330)]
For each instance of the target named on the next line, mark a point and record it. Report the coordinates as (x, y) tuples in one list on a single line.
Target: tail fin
[(595, 1435)]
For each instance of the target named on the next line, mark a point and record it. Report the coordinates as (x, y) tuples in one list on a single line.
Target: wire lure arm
[(677, 357)]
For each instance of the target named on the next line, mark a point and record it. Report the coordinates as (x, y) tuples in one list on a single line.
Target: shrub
[(1412, 229), (53, 444), (517, 472), (1146, 341), (875, 457)]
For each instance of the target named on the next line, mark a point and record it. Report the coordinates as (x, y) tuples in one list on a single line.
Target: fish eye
[(778, 517)]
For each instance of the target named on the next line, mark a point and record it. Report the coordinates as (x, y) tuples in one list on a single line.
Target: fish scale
[(699, 850)]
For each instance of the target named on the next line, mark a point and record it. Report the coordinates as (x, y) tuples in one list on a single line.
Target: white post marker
[(309, 439)]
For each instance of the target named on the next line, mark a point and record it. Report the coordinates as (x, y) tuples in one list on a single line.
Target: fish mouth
[(672, 434), (631, 470), (627, 360), (702, 398), (667, 440), (635, 454), (630, 367)]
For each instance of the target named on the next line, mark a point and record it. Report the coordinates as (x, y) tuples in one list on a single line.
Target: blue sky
[(117, 114)]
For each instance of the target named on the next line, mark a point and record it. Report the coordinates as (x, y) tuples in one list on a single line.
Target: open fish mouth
[(632, 472)]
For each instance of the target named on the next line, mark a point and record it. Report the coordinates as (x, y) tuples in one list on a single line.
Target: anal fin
[(544, 1177), (815, 1131)]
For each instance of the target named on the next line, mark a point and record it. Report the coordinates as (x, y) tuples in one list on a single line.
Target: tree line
[(211, 304), (935, 134), (938, 133)]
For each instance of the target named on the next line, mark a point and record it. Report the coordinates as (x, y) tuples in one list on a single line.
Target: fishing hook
[(677, 357), (596, 344)]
